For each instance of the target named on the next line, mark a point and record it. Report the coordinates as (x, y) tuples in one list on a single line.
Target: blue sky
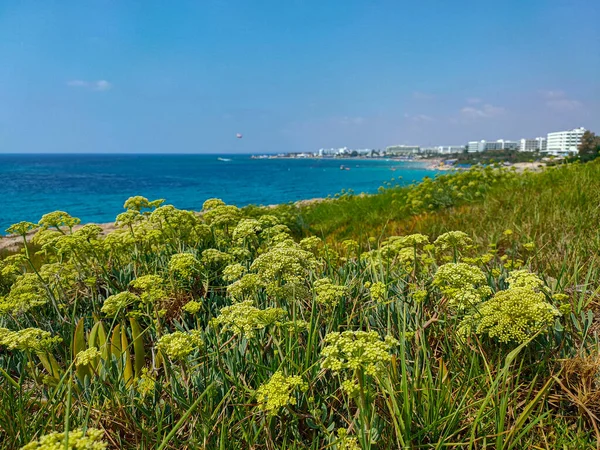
[(184, 77)]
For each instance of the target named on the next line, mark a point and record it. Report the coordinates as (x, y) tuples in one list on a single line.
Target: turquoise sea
[(94, 187)]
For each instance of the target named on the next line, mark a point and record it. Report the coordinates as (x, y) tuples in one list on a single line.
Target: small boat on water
[(223, 159), (342, 167)]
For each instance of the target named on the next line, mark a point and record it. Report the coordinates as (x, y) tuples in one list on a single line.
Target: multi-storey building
[(564, 142)]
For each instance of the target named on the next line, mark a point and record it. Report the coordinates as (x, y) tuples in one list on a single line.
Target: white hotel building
[(564, 142), (500, 144), (533, 145)]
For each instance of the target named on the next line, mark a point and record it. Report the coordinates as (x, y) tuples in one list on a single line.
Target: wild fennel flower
[(214, 258), (87, 357), (378, 291), (513, 315), (351, 246), (21, 228), (76, 440), (58, 219), (212, 203), (357, 350), (346, 442), (462, 284), (28, 339), (192, 307), (184, 266), (118, 302), (146, 383), (138, 203), (247, 230), (278, 392), (245, 319), (26, 293), (453, 240), (327, 293), (285, 261), (351, 387), (13, 265), (295, 326), (150, 287), (223, 216), (233, 272), (524, 278), (245, 287), (311, 244), (419, 295), (180, 344)]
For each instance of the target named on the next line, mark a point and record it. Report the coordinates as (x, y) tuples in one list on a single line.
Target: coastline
[(12, 243)]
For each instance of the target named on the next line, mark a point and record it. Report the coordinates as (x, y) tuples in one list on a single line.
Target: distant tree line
[(589, 148)]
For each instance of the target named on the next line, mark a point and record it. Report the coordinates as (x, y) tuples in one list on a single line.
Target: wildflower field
[(460, 312)]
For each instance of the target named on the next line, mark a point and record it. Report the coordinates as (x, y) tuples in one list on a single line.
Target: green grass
[(442, 386)]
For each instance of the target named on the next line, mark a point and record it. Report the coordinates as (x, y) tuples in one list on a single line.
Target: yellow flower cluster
[(402, 249), (233, 272), (21, 228), (311, 244), (513, 315), (91, 439), (223, 215), (192, 307), (151, 288), (463, 285), (284, 263), (26, 293), (118, 302), (247, 230), (378, 292), (215, 259), (184, 266), (245, 319), (245, 286), (145, 383), (58, 219), (278, 392), (525, 279), (346, 442), (327, 293), (453, 240), (139, 203), (87, 357), (180, 344), (212, 203), (354, 350), (28, 339)]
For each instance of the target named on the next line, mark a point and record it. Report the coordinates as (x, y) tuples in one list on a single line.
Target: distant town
[(557, 144)]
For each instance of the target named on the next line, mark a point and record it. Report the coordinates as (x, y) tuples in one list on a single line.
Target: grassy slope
[(437, 396), (557, 209)]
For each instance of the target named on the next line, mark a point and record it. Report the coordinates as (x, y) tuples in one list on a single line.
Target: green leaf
[(139, 352), (126, 353)]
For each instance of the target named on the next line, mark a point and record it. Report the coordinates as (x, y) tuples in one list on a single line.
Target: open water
[(94, 187)]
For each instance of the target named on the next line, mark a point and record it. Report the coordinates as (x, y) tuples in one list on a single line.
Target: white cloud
[(559, 101), (552, 94), (351, 120), (98, 85), (419, 118), (102, 85), (422, 96), (481, 112), (474, 100)]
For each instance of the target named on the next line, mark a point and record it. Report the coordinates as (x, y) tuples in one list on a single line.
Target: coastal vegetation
[(459, 312)]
